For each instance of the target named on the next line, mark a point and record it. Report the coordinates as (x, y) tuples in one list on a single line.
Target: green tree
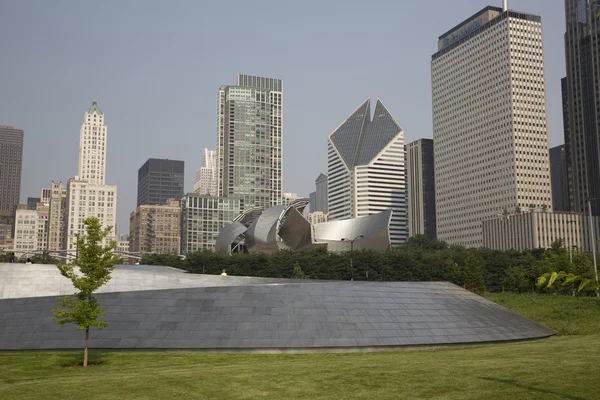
[(95, 262), (473, 275), (454, 273), (516, 280)]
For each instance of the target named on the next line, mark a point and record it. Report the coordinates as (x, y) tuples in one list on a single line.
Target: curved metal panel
[(300, 204), (229, 233), (373, 228), (261, 235), (250, 215), (295, 230)]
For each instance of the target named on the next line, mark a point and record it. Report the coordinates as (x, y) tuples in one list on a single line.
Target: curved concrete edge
[(298, 350), (318, 315)]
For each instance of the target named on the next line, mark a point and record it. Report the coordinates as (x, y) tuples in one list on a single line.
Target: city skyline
[(177, 116)]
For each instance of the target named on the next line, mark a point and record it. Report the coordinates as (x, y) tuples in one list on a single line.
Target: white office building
[(489, 122), (31, 229), (538, 229), (87, 194), (366, 169), (206, 176)]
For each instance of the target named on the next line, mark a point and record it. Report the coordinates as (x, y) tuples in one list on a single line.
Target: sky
[(155, 67)]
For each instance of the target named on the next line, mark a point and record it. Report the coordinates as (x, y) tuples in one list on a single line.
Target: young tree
[(473, 275), (95, 262)]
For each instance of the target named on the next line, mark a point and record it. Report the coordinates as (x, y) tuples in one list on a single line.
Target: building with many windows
[(203, 217), (489, 122), (318, 198), (420, 179), (31, 229), (85, 200), (249, 141), (206, 176), (156, 228), (366, 172), (560, 180), (57, 218), (537, 229), (11, 160), (160, 180), (87, 195), (317, 217), (581, 103)]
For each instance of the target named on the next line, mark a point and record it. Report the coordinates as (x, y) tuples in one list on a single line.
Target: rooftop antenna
[(505, 8)]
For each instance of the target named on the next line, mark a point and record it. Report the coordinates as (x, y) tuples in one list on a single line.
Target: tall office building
[(318, 199), (92, 147), (202, 218), (420, 179), (31, 229), (11, 160), (489, 122), (87, 194), (366, 169), (156, 228), (249, 141), (206, 176), (582, 103), (57, 217), (160, 180), (560, 181)]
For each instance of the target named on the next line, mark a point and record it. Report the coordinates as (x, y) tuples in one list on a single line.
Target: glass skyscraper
[(582, 102), (11, 160), (249, 141)]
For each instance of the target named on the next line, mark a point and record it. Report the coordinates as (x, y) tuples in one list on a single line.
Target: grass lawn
[(564, 367), (567, 315), (558, 368)]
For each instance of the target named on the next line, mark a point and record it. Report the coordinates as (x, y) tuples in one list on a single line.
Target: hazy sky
[(155, 68)]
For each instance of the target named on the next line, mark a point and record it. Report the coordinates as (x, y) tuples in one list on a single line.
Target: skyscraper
[(420, 178), (206, 176), (92, 147), (366, 169), (156, 228), (87, 194), (58, 217), (321, 203), (202, 218), (560, 182), (160, 180), (489, 122), (249, 141), (11, 160), (582, 93)]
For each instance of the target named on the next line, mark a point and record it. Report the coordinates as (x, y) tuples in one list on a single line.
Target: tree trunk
[(85, 350)]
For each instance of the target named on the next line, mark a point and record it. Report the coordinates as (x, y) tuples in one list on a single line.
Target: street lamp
[(569, 235), (352, 251)]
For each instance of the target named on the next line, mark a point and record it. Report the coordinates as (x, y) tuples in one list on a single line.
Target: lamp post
[(351, 252), (569, 235), (593, 239)]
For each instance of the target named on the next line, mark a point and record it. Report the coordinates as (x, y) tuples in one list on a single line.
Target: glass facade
[(581, 103), (203, 217), (249, 141), (11, 156), (159, 181)]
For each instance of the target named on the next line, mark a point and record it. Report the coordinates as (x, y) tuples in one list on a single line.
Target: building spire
[(94, 108), (505, 7)]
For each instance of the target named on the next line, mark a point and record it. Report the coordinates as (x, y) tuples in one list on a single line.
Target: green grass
[(564, 367), (557, 368), (567, 315)]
